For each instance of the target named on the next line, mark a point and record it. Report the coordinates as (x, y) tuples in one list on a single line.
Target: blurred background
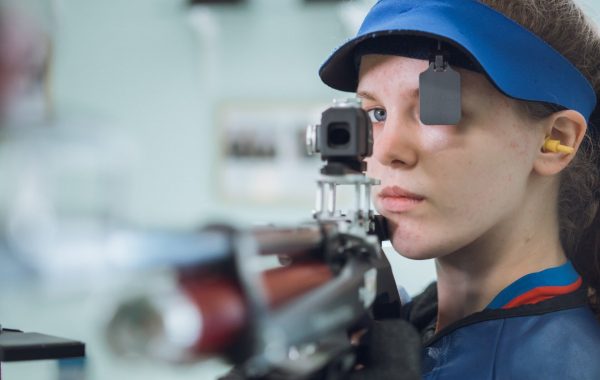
[(165, 114)]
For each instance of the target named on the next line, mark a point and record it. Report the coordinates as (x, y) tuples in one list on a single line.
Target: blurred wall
[(153, 74), (157, 72)]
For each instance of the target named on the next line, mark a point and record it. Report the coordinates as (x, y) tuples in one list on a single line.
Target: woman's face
[(444, 187)]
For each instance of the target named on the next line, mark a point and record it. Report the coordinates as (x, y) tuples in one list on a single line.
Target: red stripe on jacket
[(542, 293)]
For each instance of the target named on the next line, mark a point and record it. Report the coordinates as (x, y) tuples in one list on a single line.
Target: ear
[(569, 128)]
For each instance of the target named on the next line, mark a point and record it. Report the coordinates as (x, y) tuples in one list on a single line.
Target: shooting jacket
[(539, 327)]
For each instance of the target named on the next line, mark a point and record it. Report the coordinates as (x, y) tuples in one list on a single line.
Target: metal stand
[(327, 196)]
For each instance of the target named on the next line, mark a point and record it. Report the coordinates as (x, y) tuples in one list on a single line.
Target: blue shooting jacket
[(539, 327)]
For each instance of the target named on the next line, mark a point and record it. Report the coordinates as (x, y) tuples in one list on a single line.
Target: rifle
[(292, 320)]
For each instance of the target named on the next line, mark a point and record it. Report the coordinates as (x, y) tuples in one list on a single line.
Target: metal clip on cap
[(439, 64)]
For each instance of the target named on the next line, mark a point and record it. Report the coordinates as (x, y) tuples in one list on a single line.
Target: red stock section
[(284, 284), (219, 301), (223, 307)]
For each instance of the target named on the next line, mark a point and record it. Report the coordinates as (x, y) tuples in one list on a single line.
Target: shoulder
[(562, 344), (559, 344)]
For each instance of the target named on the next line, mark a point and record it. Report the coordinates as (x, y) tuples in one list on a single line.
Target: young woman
[(505, 199)]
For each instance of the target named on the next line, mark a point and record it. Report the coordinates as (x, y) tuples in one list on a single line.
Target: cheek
[(374, 168), (437, 138), (470, 194), (477, 179), (481, 190)]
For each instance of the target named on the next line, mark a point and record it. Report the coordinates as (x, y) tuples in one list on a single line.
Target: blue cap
[(519, 63)]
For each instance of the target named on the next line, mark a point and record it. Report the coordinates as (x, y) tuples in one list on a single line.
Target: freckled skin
[(474, 176)]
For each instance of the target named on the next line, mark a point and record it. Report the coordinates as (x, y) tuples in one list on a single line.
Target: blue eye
[(377, 115)]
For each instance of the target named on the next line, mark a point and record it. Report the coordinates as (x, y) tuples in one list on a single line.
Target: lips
[(397, 199)]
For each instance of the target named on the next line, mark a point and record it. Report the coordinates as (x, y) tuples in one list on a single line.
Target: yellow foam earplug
[(555, 146)]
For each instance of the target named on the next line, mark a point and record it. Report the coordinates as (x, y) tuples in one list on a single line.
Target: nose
[(395, 143)]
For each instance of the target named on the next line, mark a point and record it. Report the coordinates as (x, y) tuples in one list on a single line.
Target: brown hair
[(563, 25)]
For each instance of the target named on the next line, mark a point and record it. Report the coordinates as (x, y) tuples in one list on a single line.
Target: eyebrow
[(368, 96), (365, 95)]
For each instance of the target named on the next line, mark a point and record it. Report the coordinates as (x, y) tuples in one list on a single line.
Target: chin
[(415, 244), (414, 251)]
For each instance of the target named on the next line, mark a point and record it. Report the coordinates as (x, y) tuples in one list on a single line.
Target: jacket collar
[(539, 286)]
